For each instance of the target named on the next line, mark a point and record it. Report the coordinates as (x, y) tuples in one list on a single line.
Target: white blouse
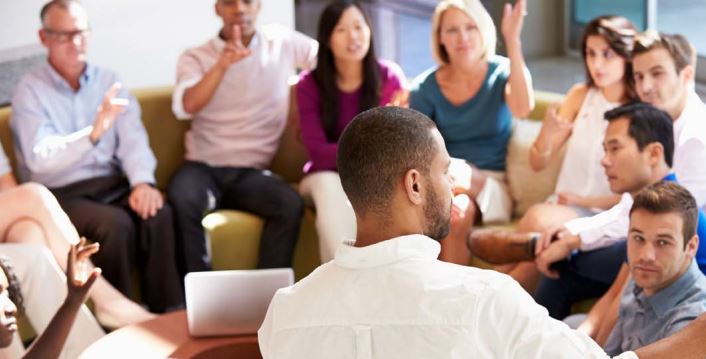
[(581, 172)]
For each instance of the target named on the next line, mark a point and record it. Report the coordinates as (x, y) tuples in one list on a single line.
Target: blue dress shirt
[(52, 123), (644, 320)]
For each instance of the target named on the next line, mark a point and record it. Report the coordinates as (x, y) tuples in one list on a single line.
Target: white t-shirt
[(690, 148), (394, 299)]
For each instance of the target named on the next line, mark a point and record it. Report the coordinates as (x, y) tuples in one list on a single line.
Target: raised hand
[(400, 98), (553, 123), (108, 111), (78, 279), (234, 49), (513, 18), (145, 200)]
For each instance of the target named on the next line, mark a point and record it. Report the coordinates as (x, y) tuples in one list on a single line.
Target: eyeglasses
[(66, 36)]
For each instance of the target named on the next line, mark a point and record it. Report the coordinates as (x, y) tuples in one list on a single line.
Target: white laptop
[(231, 302)]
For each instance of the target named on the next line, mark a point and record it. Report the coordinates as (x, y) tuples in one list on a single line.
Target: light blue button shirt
[(51, 124), (644, 320)]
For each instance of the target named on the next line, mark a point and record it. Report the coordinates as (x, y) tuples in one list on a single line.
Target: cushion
[(528, 187)]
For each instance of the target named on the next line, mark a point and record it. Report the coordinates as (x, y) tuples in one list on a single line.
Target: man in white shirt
[(663, 68), (386, 295), (234, 89)]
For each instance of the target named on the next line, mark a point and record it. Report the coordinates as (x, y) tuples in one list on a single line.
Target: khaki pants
[(335, 219)]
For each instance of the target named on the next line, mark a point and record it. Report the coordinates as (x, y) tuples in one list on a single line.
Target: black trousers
[(587, 275), (99, 209), (197, 189)]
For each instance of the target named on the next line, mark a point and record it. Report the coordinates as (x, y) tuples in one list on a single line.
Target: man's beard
[(437, 215)]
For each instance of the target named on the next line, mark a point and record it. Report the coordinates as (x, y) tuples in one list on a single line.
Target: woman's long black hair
[(325, 73)]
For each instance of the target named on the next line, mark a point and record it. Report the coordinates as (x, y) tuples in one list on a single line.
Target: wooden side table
[(167, 336)]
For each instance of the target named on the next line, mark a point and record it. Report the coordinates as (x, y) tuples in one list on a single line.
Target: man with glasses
[(80, 134)]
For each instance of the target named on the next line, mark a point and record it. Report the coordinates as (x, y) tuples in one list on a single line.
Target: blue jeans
[(585, 275)]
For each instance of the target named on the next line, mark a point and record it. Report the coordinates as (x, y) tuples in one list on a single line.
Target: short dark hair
[(64, 4), (679, 48), (648, 124), (14, 290), (669, 197), (376, 149)]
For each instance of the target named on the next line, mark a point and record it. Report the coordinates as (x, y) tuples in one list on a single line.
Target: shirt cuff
[(142, 177), (178, 98)]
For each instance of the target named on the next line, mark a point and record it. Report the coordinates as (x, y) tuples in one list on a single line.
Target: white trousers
[(44, 289), (335, 219)]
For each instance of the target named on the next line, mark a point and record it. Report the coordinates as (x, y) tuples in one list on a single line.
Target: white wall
[(140, 39)]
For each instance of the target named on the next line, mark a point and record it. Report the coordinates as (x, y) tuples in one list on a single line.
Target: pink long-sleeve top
[(322, 151)]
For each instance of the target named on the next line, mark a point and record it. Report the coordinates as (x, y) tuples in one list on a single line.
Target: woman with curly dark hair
[(50, 342)]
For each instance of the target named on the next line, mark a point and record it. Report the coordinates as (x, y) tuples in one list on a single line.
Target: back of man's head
[(648, 124), (375, 151), (679, 48)]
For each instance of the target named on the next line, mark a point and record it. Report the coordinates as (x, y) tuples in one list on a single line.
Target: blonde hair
[(474, 10)]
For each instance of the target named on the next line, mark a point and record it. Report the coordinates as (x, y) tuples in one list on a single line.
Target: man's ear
[(217, 8), (687, 74), (43, 37), (692, 246), (413, 186), (655, 151)]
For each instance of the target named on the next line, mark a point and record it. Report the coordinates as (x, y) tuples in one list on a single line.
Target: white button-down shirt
[(394, 299), (690, 148)]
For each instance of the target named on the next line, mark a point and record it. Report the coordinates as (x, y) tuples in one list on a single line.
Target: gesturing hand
[(78, 280), (554, 124), (108, 111), (400, 98), (145, 200), (234, 50), (513, 18)]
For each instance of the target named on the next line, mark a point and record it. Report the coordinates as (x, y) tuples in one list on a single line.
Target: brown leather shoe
[(502, 247)]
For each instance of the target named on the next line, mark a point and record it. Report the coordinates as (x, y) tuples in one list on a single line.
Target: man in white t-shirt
[(386, 295), (663, 68), (234, 89)]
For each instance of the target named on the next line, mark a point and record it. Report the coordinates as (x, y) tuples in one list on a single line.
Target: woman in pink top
[(348, 79)]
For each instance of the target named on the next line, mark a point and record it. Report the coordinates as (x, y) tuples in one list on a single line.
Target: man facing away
[(234, 88), (386, 295), (80, 135)]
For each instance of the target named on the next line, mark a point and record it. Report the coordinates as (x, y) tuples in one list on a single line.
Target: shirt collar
[(387, 252), (669, 297), (86, 76)]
